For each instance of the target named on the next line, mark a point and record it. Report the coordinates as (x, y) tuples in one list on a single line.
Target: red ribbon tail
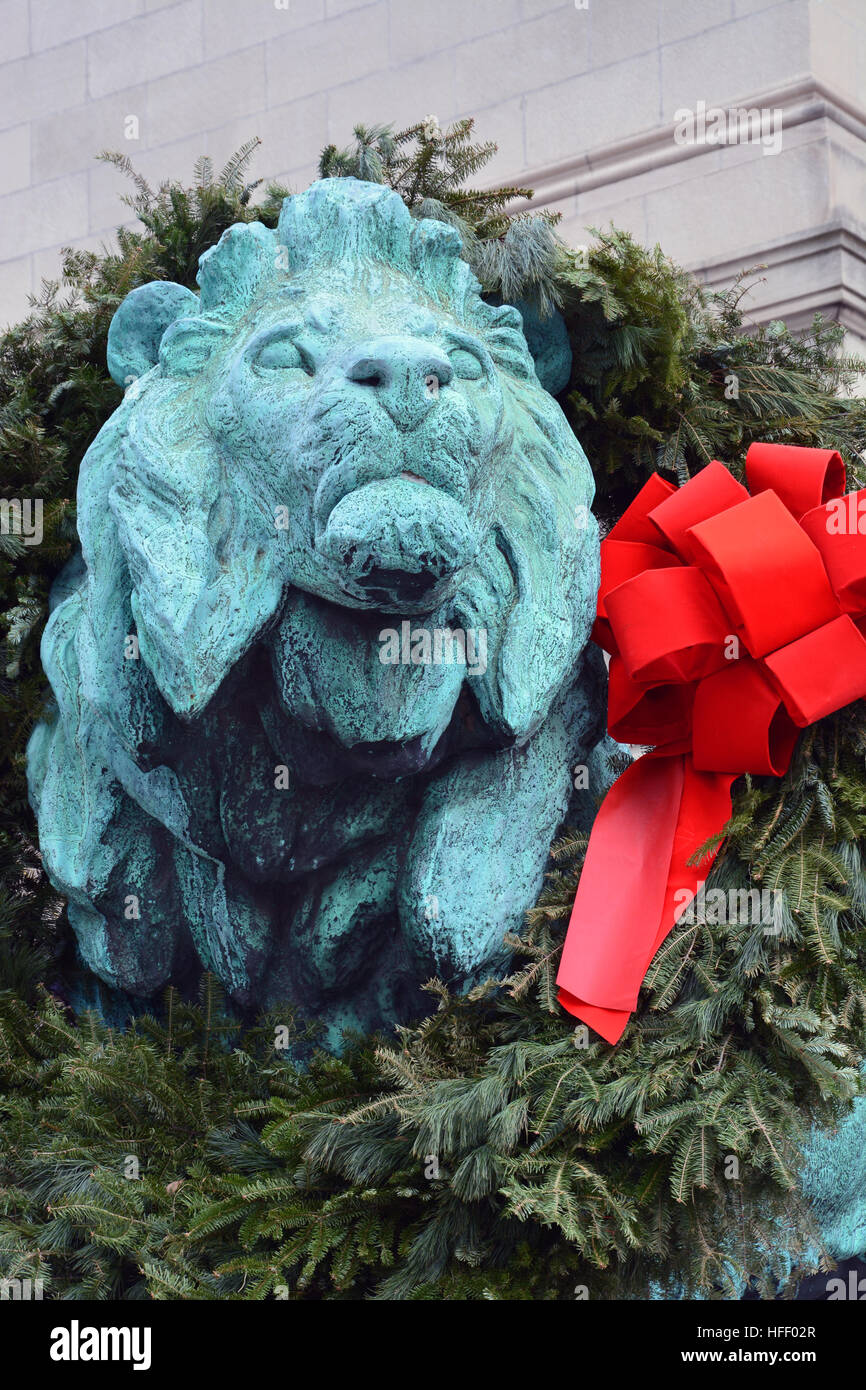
[(609, 1023), (636, 882)]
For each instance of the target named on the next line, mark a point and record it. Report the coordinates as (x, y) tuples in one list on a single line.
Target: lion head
[(339, 412)]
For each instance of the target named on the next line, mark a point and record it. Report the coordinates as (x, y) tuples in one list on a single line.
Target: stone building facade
[(733, 132)]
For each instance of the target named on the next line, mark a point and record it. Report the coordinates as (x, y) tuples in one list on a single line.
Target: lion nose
[(404, 373)]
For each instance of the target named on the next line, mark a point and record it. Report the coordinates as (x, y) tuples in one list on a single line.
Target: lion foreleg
[(481, 842)]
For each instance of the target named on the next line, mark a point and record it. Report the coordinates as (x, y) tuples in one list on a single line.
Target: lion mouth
[(442, 475), (395, 543)]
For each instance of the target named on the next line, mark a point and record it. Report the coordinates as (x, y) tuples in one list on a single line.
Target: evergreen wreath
[(484, 1153)]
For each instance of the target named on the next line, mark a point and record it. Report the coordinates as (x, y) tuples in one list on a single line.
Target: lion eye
[(281, 354), (465, 364)]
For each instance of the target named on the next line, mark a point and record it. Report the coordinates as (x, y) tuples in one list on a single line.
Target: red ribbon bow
[(733, 621)]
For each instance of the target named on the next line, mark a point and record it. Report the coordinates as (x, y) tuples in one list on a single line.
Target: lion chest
[(365, 679)]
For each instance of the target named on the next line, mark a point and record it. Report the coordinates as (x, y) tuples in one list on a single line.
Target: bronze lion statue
[(318, 671)]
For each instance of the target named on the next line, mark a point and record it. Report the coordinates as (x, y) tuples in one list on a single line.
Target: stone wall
[(585, 99)]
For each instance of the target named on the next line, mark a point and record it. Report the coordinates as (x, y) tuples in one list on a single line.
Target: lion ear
[(138, 326), (547, 340)]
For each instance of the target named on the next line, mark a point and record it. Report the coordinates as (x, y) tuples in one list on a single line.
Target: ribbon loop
[(709, 492), (634, 524), (801, 478), (654, 714), (621, 561), (821, 672), (669, 625), (739, 723), (837, 529), (766, 571)]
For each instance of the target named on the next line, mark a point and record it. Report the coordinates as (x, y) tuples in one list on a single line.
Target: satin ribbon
[(733, 618)]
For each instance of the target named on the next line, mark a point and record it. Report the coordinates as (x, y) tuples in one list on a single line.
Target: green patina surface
[(330, 459)]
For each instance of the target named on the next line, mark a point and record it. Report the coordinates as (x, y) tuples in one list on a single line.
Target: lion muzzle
[(398, 540)]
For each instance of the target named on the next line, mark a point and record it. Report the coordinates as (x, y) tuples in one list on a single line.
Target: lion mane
[(336, 441)]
